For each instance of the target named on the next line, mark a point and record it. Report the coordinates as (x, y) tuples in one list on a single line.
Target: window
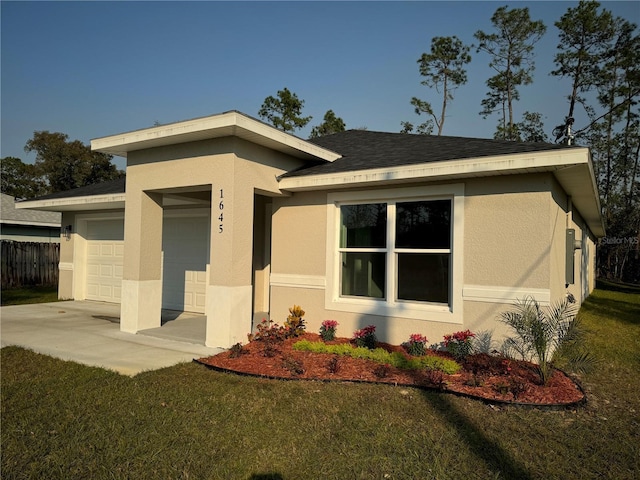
[(419, 253), (363, 240), (394, 252), (423, 250)]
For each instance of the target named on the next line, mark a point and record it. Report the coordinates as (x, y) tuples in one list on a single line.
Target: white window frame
[(390, 307)]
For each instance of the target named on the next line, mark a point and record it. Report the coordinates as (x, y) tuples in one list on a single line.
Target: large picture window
[(396, 254), (411, 240)]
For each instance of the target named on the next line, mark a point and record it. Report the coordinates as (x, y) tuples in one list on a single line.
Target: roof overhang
[(29, 224), (216, 126), (571, 167), (92, 202)]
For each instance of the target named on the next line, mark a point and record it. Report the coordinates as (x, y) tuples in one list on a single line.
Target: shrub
[(267, 330), (382, 370), (333, 365), (435, 378), (546, 337), (482, 363), (236, 350), (328, 330), (475, 381), (270, 349), (294, 366), (380, 355), (459, 344), (517, 386), (365, 337), (416, 345), (502, 387), (271, 335), (295, 324)]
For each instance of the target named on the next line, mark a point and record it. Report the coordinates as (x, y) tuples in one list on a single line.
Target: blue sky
[(92, 69)]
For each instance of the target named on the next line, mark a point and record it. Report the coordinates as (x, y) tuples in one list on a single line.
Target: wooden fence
[(29, 263)]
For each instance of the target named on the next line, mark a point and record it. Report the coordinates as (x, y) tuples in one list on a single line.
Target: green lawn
[(21, 296), (63, 420)]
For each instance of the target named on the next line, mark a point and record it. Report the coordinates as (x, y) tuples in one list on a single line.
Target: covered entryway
[(185, 250), (105, 251), (218, 164)]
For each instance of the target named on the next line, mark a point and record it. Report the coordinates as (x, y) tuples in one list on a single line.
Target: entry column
[(229, 291), (141, 294)]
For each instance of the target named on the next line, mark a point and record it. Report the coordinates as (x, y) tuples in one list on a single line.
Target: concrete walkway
[(89, 333)]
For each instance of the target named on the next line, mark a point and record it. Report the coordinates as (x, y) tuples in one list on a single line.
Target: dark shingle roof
[(105, 188), (364, 149)]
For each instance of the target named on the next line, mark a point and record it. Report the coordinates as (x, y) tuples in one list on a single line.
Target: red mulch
[(486, 377)]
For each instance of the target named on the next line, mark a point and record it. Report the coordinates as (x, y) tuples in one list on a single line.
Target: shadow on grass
[(612, 308), (492, 454), (617, 287), (266, 476)]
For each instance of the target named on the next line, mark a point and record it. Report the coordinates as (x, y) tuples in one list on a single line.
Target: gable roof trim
[(472, 167), (89, 202), (226, 124)]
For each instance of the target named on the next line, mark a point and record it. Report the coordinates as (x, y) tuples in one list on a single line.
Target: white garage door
[(105, 248), (185, 247)]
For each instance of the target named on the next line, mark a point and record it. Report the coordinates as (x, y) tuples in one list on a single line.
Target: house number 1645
[(221, 207)]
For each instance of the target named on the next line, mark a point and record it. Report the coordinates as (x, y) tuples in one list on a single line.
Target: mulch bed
[(489, 378)]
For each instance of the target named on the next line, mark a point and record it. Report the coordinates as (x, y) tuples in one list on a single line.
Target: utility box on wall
[(571, 247)]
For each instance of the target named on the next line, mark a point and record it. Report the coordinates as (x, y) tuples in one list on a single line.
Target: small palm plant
[(548, 338)]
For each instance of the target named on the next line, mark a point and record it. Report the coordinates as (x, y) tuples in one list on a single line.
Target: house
[(227, 216), (25, 225)]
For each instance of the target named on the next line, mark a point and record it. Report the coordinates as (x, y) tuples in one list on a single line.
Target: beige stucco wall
[(513, 243), (299, 234), (564, 215), (66, 274), (506, 231), (584, 259), (558, 216)]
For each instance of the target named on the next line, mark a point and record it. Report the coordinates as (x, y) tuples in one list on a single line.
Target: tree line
[(61, 164)]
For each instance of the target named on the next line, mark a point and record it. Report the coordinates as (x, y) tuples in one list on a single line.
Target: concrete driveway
[(89, 333)]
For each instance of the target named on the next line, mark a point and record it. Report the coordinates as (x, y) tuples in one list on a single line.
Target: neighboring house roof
[(9, 215), (355, 158)]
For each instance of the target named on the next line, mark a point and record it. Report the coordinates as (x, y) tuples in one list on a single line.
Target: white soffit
[(92, 202), (459, 168), (215, 126)]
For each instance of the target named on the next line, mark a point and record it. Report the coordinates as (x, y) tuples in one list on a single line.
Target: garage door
[(185, 247), (105, 248)]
